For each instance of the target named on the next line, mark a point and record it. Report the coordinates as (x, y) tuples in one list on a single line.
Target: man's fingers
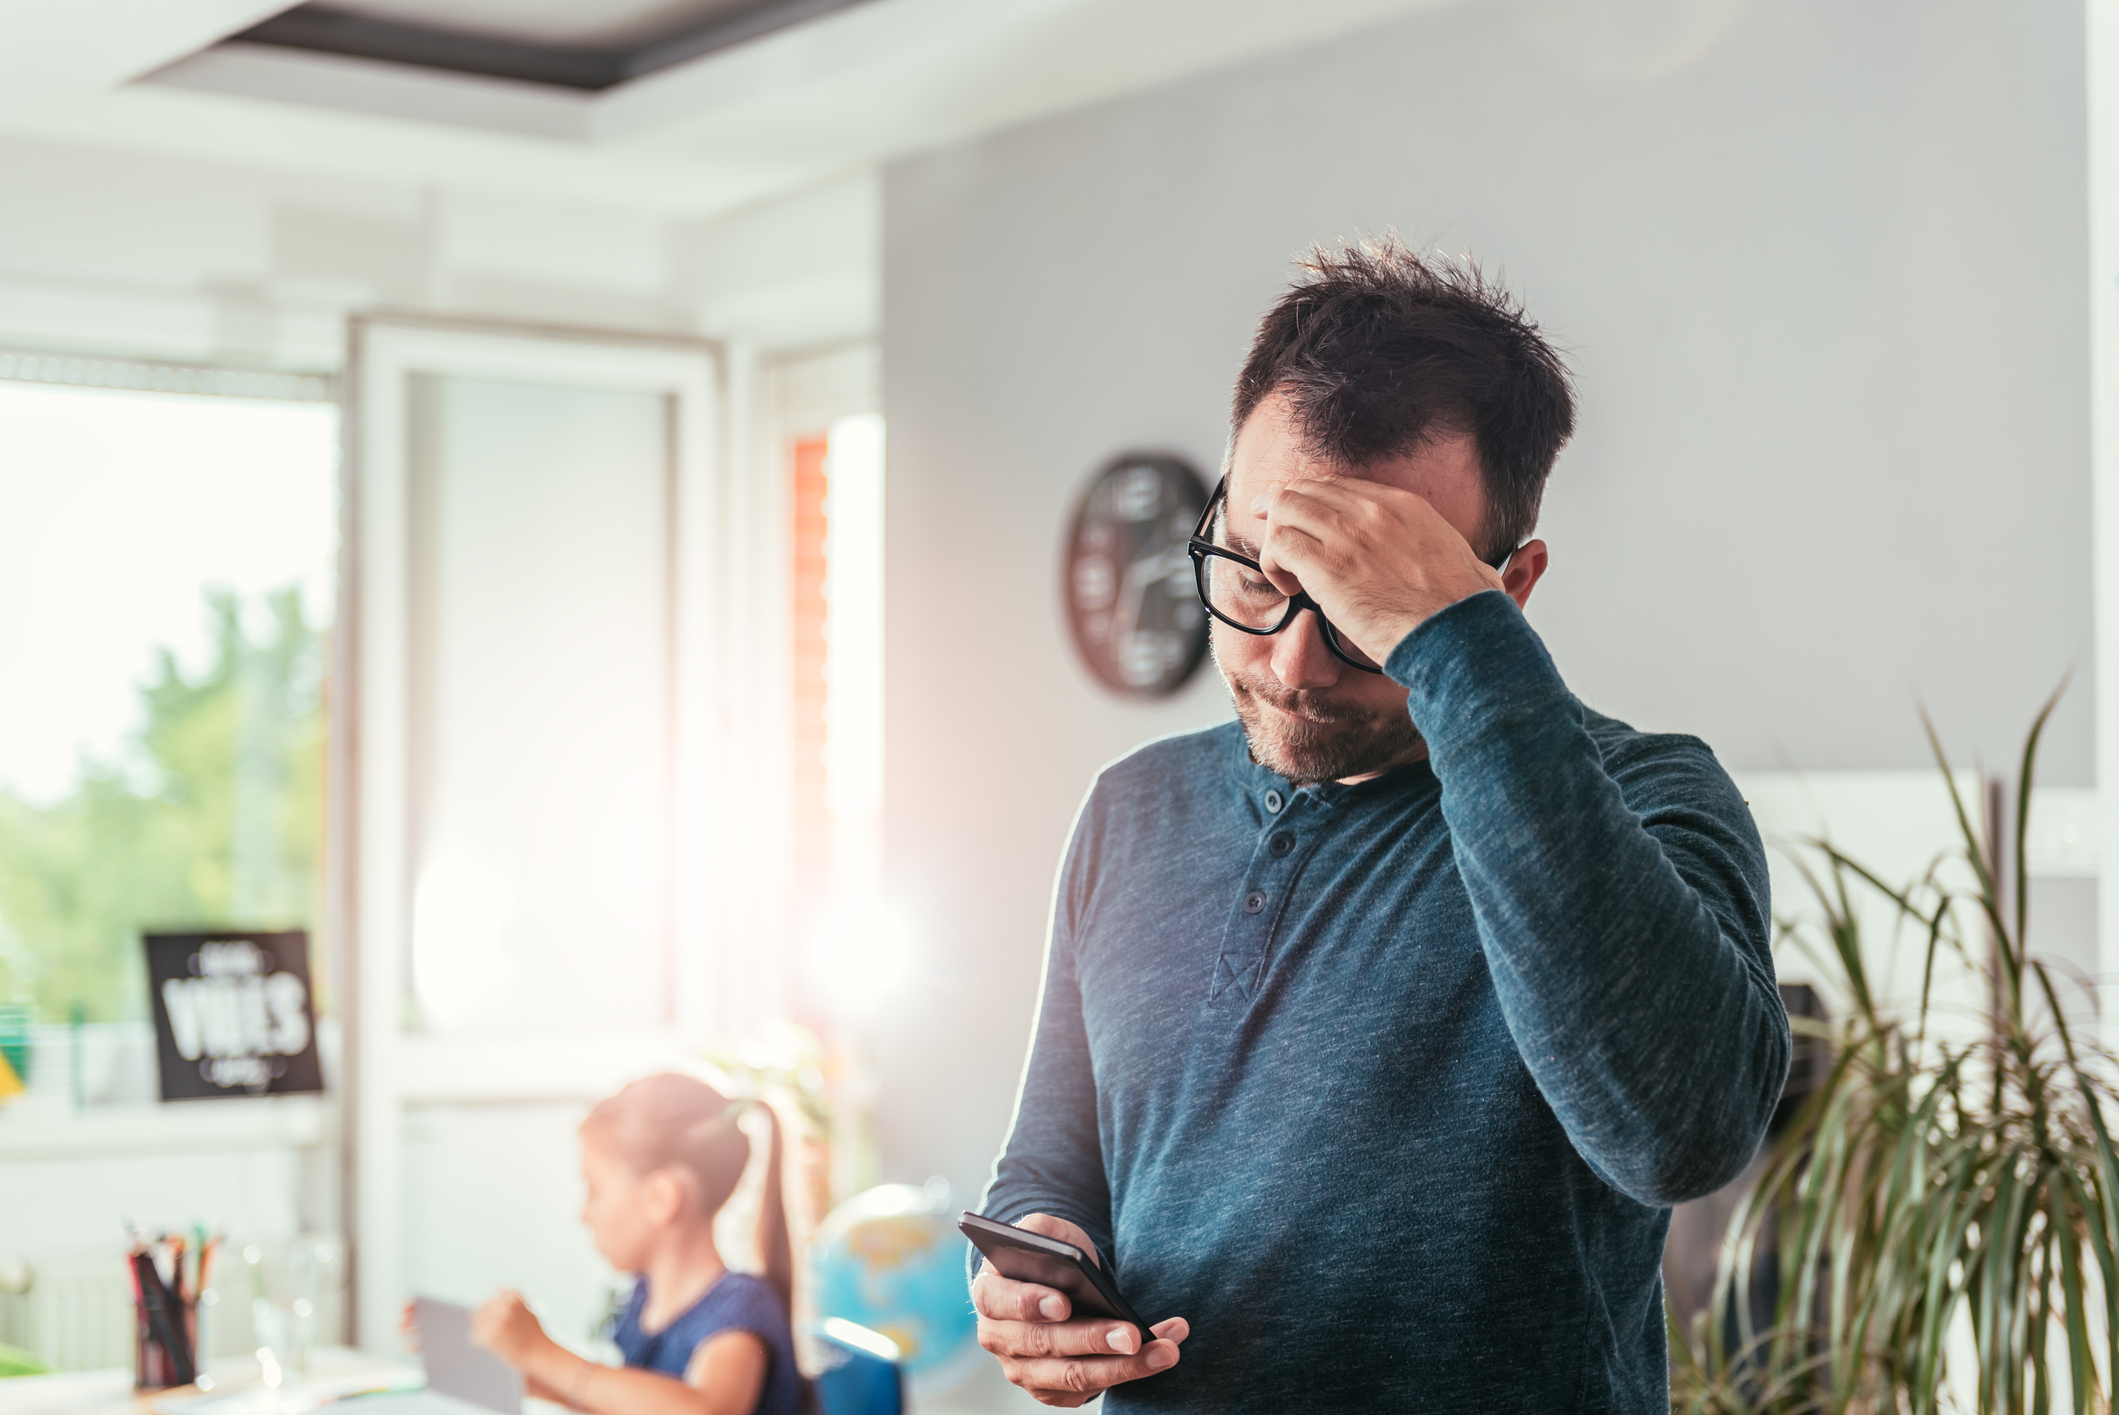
[(1063, 1362), (1285, 554), (1007, 1300), (1312, 496), (1039, 1339), (1086, 1374), (1054, 1227), (1339, 510), (1301, 518), (1355, 511), (1317, 505)]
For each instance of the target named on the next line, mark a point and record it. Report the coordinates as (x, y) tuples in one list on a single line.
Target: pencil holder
[(165, 1335)]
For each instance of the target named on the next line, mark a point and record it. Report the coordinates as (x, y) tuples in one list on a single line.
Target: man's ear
[(1525, 568)]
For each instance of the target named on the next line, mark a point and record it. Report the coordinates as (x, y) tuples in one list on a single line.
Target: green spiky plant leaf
[(1936, 1204)]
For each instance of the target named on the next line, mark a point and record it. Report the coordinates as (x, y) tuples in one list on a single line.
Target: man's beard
[(1336, 740)]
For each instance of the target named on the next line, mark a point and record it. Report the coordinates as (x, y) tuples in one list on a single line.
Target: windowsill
[(31, 1129)]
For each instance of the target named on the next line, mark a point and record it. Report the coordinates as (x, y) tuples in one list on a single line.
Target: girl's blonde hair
[(676, 1122)]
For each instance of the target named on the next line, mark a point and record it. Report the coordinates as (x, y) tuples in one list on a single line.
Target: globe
[(892, 1260)]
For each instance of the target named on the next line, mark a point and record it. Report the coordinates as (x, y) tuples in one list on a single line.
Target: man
[(1381, 1028)]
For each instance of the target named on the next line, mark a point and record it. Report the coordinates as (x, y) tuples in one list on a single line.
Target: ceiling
[(689, 107), (534, 41)]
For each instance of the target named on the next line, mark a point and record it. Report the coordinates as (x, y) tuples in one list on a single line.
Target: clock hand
[(1133, 586)]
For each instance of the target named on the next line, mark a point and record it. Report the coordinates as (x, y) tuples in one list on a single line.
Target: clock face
[(1128, 581)]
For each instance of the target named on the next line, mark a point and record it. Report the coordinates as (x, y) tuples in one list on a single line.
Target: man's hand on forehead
[(1377, 558)]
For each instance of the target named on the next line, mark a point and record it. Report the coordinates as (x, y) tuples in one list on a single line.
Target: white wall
[(1820, 268), (116, 253)]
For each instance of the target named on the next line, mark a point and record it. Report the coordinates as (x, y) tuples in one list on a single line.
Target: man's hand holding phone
[(1043, 1347)]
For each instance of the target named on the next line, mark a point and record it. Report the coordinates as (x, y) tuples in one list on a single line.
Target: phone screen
[(1024, 1256)]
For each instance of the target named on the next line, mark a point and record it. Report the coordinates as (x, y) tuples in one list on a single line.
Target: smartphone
[(1049, 1262)]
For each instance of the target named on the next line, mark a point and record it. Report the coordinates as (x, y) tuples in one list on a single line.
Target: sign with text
[(232, 1014)]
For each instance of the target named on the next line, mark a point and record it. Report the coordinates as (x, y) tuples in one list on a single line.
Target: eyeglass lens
[(1241, 595), (1246, 598), (1345, 646)]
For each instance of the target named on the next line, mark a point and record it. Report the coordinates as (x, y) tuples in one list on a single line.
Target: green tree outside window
[(211, 815)]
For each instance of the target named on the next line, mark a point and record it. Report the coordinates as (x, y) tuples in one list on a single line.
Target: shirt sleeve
[(1053, 1161), (754, 1309), (1621, 904)]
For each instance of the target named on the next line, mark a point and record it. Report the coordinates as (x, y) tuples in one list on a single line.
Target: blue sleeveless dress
[(737, 1302)]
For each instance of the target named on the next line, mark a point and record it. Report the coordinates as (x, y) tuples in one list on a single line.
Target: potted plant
[(1943, 1214)]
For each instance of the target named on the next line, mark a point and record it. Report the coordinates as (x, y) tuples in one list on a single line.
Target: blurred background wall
[(1819, 268)]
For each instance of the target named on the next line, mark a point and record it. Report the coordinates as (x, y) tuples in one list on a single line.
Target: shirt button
[(1274, 803), (1280, 845), (1254, 902)]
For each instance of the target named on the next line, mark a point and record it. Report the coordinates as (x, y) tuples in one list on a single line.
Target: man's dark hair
[(1378, 348)]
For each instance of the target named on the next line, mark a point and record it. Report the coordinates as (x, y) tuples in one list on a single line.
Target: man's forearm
[(1053, 1160), (1628, 953)]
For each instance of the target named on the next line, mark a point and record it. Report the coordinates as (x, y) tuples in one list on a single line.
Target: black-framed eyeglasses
[(1234, 589)]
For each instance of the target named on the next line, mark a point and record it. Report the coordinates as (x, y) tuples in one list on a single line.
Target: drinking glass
[(283, 1294)]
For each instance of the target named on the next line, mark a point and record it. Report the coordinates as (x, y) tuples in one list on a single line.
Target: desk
[(111, 1392)]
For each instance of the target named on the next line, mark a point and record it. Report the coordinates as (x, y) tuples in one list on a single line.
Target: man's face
[(1308, 715)]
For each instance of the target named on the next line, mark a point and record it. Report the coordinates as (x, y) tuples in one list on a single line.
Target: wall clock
[(1127, 580)]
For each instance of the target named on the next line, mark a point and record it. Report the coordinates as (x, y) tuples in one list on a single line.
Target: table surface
[(111, 1392)]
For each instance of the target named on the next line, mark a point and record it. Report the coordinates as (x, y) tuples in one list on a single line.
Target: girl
[(661, 1157)]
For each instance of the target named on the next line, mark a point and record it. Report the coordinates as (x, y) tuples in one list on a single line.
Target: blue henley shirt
[(1387, 1088)]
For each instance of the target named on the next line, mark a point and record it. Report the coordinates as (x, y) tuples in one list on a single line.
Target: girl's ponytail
[(775, 1248)]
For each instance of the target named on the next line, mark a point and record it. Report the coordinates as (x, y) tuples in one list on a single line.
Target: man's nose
[(1300, 659)]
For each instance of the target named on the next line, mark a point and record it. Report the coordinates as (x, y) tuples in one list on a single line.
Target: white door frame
[(385, 1067)]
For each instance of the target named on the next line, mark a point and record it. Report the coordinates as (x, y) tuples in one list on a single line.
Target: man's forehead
[(1270, 452), (1271, 446)]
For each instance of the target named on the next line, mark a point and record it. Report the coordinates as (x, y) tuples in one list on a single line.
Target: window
[(166, 567)]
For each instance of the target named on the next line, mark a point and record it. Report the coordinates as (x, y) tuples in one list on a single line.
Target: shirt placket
[(1293, 822)]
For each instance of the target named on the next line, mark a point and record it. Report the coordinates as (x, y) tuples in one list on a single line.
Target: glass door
[(537, 855)]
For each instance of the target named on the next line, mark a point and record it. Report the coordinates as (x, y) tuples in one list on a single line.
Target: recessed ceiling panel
[(556, 42), (609, 24)]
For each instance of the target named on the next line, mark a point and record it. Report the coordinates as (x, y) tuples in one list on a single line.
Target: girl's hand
[(408, 1326), (508, 1328)]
